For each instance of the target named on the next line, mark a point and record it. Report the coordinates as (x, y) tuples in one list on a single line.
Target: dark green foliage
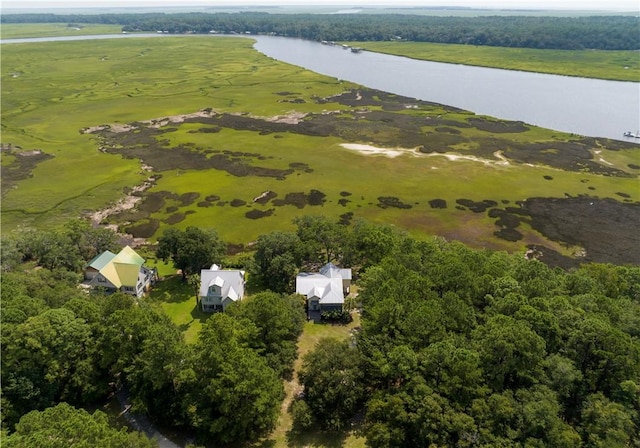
[(69, 248), (607, 424), (321, 240), (566, 33), (368, 244), (457, 347), (279, 321), (333, 384), (234, 395), (63, 426), (472, 348), (156, 373), (277, 258), (190, 250), (46, 359), (336, 316)]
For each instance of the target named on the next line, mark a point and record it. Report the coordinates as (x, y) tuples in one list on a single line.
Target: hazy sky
[(607, 5)]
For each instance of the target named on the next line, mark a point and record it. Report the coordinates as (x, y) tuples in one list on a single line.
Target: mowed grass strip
[(281, 436), (613, 65)]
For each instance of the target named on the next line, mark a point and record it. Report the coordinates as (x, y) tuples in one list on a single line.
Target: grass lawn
[(614, 65), (178, 301)]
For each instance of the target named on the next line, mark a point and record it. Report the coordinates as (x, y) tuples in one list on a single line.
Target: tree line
[(62, 345), (468, 348), (560, 33), (457, 347)]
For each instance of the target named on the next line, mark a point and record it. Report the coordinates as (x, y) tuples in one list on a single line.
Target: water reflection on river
[(583, 106)]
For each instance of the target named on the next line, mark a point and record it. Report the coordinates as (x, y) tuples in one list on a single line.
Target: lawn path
[(311, 334)]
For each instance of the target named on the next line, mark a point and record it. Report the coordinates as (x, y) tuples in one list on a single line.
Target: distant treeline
[(562, 33)]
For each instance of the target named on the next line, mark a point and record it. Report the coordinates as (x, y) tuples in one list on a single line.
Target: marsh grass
[(28, 30), (52, 91), (614, 65)]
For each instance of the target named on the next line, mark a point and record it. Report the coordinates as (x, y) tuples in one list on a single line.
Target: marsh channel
[(588, 107)]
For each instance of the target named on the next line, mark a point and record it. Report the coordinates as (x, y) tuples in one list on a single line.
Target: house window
[(102, 279)]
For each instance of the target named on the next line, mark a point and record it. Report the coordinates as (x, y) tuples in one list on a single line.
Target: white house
[(325, 291), (124, 272), (220, 288)]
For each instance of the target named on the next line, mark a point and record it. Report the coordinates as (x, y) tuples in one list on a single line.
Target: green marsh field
[(208, 132), (612, 65), (22, 30)]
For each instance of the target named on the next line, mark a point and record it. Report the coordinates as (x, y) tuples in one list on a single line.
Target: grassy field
[(53, 91), (613, 65), (25, 30)]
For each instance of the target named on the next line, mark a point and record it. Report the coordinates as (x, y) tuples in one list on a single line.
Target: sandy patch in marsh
[(290, 118), (395, 152), (164, 121), (502, 160), (126, 203), (373, 150)]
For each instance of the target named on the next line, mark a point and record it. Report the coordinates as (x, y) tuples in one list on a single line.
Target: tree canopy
[(606, 32), (190, 250), (63, 426), (457, 347)]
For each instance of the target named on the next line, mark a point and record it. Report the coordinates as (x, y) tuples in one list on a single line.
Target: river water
[(583, 106)]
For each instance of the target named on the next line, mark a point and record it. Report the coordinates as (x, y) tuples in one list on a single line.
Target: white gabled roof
[(326, 285), (231, 282)]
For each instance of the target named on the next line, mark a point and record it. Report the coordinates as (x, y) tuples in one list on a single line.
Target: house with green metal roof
[(124, 271)]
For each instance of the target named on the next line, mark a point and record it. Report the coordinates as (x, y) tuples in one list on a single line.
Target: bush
[(301, 415), (336, 316)]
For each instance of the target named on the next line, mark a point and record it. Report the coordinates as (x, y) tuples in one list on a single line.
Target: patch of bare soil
[(438, 203), (301, 199), (346, 218), (497, 126), (143, 230), (265, 197), (477, 207), (175, 218), (21, 167), (124, 205), (392, 202), (605, 228), (257, 214), (237, 203), (144, 145)]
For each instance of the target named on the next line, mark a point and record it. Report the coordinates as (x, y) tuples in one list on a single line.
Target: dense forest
[(565, 33), (457, 347)]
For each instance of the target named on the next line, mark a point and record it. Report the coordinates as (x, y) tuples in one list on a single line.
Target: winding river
[(583, 106)]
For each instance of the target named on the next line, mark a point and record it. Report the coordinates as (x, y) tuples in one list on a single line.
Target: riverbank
[(607, 65)]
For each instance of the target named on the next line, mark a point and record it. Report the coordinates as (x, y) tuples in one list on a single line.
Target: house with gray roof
[(325, 290), (220, 287)]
